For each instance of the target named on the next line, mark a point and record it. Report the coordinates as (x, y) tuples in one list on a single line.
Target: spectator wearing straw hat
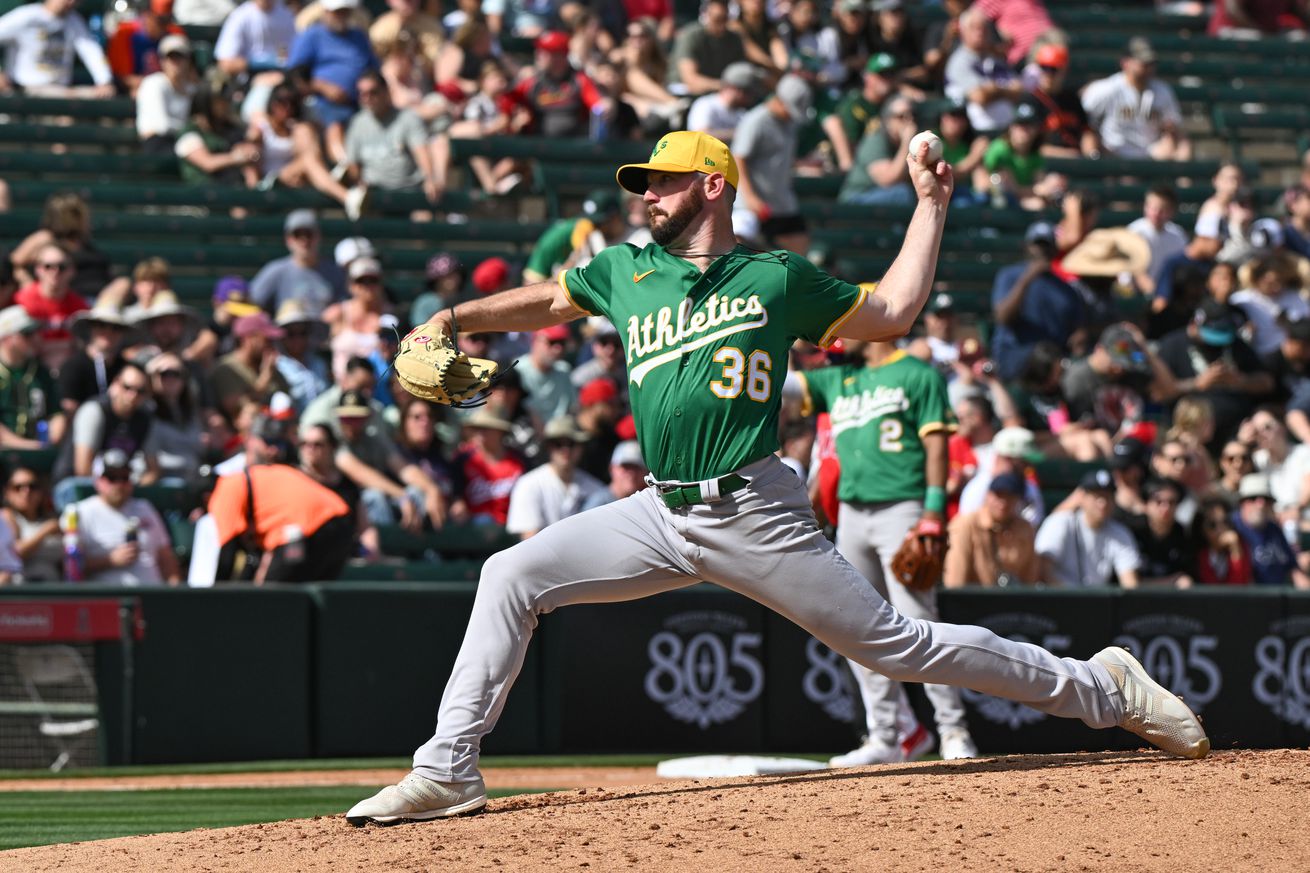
[(28, 396), (556, 489), (303, 369), (486, 468), (100, 332)]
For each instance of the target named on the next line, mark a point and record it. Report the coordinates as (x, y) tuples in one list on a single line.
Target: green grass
[(38, 818)]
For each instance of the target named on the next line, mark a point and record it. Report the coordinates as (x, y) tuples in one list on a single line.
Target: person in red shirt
[(560, 97), (51, 302), (976, 428), (1223, 559), (487, 468), (133, 50)]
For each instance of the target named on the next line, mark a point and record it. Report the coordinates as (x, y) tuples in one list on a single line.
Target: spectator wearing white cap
[(1272, 560), (354, 323), (163, 99), (28, 394), (765, 148), (303, 274), (556, 489), (122, 538), (1083, 546), (627, 475), (1013, 448)]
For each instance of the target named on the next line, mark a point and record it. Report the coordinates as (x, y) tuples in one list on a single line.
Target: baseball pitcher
[(706, 326), (890, 419)]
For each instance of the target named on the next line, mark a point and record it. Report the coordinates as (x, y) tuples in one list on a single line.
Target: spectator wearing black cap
[(444, 276), (1109, 389), (607, 360), (1032, 304), (122, 538), (1084, 546), (993, 546), (964, 149), (1015, 165), (938, 344), (1129, 463), (1208, 358), (1135, 113), (1167, 549)]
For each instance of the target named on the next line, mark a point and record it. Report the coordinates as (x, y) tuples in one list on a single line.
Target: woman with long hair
[(177, 427), (290, 152), (31, 518), (645, 69), (355, 321), (209, 147), (318, 453)]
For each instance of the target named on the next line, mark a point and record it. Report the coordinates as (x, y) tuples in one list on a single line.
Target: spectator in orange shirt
[(133, 50), (303, 530)]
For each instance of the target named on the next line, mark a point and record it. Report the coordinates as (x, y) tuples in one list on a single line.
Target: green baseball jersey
[(707, 353), (879, 418)]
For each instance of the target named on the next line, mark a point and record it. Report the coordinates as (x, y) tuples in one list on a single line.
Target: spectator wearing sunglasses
[(32, 523), (1272, 559), (177, 426), (1066, 132), (1167, 549), (28, 395), (1223, 558), (545, 374), (303, 274), (305, 371), (52, 302), (119, 421), (123, 539)]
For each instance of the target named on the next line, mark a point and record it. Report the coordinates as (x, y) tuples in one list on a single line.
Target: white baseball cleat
[(957, 744), (872, 751), (416, 798), (1150, 710)]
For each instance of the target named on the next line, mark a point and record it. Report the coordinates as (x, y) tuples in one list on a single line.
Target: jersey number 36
[(754, 374)]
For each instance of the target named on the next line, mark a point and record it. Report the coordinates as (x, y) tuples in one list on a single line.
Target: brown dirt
[(1122, 811), (495, 777)]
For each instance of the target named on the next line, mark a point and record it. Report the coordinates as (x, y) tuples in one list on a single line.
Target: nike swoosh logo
[(637, 277)]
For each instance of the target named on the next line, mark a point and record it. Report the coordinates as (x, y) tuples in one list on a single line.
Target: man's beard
[(674, 225)]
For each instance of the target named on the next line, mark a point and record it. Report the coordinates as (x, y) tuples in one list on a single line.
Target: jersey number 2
[(754, 374), (890, 432)]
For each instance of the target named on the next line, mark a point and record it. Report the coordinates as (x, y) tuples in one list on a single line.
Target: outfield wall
[(236, 673)]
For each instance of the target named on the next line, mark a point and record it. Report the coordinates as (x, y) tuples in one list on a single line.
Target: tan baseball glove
[(430, 365), (917, 564)]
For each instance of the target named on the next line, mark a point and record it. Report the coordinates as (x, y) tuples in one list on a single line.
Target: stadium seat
[(471, 540)]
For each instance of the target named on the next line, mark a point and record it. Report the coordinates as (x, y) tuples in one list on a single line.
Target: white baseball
[(934, 146)]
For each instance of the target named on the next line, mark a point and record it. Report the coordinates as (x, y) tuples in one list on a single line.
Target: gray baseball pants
[(761, 542), (868, 535)]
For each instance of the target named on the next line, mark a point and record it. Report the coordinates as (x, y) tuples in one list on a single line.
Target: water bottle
[(293, 545), (73, 566), (600, 126), (43, 433), (999, 200)]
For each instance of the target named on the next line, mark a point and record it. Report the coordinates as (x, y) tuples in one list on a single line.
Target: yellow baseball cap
[(682, 151)]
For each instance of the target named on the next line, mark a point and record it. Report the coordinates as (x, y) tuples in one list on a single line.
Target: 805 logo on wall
[(1022, 627), (1282, 677), (705, 668), (1176, 651), (829, 683)]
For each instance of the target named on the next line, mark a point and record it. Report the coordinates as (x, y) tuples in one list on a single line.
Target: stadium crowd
[(1174, 365)]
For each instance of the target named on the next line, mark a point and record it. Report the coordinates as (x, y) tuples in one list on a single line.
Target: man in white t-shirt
[(257, 36), (123, 539), (41, 39), (1157, 227), (719, 112), (1085, 547), (556, 489), (1136, 114)]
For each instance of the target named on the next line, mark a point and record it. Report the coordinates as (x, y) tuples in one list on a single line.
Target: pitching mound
[(1109, 811)]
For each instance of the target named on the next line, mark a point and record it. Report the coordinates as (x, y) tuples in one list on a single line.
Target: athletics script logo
[(1022, 627), (704, 670), (716, 318)]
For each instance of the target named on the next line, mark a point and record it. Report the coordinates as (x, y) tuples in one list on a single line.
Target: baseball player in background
[(890, 419), (706, 326)]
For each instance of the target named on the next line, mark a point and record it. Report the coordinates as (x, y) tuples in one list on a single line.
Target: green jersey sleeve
[(590, 287), (821, 386), (819, 304), (931, 406), (553, 247)]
